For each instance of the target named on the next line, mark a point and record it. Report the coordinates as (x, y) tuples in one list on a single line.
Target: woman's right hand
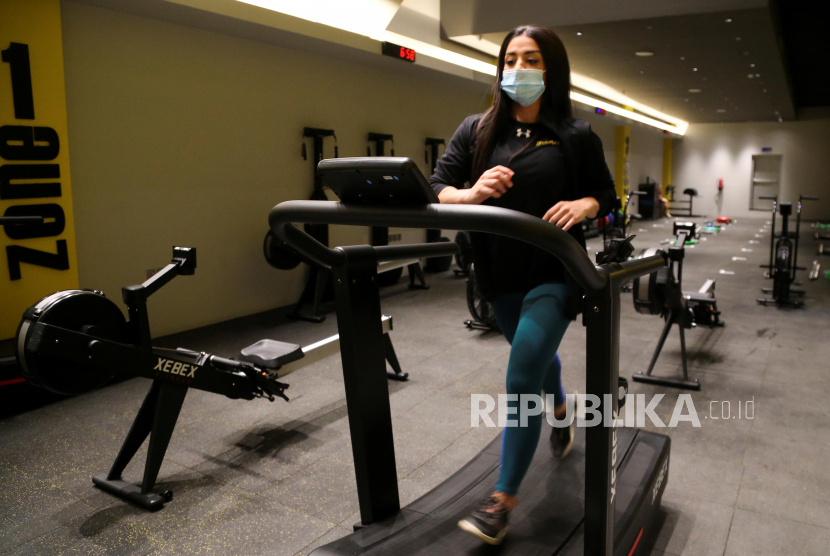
[(493, 183)]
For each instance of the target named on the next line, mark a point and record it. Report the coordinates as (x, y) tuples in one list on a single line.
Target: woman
[(529, 154)]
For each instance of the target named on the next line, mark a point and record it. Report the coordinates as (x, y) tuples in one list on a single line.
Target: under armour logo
[(525, 133)]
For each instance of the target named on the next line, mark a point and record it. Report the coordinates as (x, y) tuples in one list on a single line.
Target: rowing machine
[(75, 341), (661, 293)]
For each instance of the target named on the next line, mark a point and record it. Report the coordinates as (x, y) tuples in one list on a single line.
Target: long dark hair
[(556, 100)]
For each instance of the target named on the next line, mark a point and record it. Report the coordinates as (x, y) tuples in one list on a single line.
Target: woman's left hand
[(567, 213)]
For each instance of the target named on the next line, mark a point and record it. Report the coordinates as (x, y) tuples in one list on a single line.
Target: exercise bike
[(784, 257), (661, 293), (75, 341)]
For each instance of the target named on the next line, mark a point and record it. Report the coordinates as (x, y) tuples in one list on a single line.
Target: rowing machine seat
[(271, 354)]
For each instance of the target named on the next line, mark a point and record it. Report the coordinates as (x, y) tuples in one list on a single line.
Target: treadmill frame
[(358, 318)]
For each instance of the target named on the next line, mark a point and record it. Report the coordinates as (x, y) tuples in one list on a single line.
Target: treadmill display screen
[(377, 181)]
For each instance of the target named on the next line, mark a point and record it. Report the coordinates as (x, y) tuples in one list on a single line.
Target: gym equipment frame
[(784, 265), (77, 340), (622, 466), (662, 294)]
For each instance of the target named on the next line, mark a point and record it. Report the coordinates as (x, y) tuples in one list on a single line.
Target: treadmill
[(604, 499)]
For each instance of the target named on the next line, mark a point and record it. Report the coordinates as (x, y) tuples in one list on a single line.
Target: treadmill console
[(376, 181)]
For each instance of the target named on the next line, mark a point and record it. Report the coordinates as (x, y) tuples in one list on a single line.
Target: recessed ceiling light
[(752, 65), (641, 72), (764, 90), (682, 57), (644, 53), (750, 75), (578, 33), (721, 110), (695, 90), (729, 20), (757, 75), (737, 38), (694, 69)]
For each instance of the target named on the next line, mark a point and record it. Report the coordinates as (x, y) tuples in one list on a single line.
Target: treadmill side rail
[(601, 316), (364, 374)]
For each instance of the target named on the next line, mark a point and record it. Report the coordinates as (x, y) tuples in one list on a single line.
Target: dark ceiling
[(805, 30), (754, 61)]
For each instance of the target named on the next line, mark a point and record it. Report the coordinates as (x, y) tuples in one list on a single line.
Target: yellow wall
[(667, 161), (182, 136), (622, 163), (37, 25)]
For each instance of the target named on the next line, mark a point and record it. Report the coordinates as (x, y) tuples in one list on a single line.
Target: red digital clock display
[(399, 52)]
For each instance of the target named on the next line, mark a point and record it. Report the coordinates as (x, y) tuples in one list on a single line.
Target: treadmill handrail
[(476, 218)]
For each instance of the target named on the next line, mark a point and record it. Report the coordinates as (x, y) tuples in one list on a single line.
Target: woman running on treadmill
[(527, 153)]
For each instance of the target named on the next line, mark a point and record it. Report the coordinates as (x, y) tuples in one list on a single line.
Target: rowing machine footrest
[(271, 354), (700, 297)]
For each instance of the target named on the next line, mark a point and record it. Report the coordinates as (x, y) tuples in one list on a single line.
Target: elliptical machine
[(784, 257)]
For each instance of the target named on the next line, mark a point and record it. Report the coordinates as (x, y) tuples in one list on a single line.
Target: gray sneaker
[(488, 523)]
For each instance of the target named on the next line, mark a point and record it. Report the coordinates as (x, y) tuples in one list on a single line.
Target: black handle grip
[(387, 253), (768, 197), (807, 198), (477, 218)]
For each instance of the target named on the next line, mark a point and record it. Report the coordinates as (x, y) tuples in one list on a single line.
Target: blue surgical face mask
[(524, 86)]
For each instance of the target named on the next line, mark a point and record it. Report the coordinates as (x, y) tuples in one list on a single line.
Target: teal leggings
[(534, 324)]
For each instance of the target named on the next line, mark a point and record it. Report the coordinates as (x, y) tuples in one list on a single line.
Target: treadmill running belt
[(549, 515)]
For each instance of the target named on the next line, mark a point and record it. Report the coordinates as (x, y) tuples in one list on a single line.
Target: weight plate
[(79, 310), (278, 254)]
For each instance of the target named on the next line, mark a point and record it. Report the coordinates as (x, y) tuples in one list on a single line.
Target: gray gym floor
[(276, 478)]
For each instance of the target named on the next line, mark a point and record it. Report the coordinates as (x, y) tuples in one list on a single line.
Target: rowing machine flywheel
[(86, 311), (278, 254), (649, 291)]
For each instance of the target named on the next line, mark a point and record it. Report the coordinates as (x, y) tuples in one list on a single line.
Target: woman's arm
[(594, 177), (493, 183), (453, 170), (566, 214), (596, 186)]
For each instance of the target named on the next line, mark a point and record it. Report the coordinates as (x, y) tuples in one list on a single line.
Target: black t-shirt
[(562, 160), (505, 265)]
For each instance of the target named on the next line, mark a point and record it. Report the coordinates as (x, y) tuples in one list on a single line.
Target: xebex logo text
[(176, 368)]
